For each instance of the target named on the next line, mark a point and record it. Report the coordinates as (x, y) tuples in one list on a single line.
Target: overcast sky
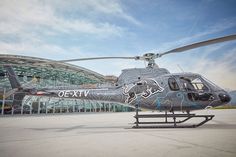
[(59, 29)]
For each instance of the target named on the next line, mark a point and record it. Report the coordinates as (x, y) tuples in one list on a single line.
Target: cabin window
[(173, 84)]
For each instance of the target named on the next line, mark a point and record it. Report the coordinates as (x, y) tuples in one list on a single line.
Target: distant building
[(44, 73)]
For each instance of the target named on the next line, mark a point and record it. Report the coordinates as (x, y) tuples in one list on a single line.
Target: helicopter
[(151, 87)]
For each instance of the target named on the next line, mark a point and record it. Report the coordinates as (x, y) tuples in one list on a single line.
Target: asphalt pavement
[(111, 135)]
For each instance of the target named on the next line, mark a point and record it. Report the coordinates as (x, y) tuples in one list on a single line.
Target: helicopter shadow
[(219, 125), (81, 128)]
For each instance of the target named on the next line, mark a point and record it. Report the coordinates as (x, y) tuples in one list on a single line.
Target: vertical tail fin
[(16, 87), (12, 77)]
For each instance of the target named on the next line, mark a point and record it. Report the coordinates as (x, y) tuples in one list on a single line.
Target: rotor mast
[(150, 59)]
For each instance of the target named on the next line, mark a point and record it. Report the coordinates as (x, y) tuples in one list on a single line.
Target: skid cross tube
[(169, 124)]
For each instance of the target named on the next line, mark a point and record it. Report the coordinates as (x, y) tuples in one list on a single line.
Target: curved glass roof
[(47, 72)]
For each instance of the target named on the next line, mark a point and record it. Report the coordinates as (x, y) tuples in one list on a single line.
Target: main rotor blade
[(200, 44), (95, 58)]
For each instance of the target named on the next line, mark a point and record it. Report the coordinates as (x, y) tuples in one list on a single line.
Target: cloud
[(27, 26), (27, 49), (31, 16), (220, 26), (111, 8), (221, 70)]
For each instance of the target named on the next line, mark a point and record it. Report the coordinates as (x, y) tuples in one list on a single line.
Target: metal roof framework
[(62, 73)]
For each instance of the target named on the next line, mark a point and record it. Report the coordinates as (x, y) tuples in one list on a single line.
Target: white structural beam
[(3, 100)]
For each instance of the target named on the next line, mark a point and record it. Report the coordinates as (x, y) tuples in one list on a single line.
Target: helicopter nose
[(224, 97)]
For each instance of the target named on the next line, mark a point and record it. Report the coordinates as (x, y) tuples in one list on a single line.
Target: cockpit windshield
[(213, 86), (193, 83)]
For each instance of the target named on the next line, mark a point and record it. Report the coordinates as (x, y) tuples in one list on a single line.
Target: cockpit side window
[(193, 84), (187, 84), (199, 85), (173, 84)]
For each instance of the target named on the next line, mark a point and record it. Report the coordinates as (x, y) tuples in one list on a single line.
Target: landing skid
[(167, 123)]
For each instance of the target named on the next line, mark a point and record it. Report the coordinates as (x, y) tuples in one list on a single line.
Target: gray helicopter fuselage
[(154, 89)]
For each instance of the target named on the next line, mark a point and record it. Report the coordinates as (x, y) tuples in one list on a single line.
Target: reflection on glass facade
[(51, 75)]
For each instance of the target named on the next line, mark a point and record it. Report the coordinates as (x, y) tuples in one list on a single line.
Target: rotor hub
[(150, 58)]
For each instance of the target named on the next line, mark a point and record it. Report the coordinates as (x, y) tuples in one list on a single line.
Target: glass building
[(43, 73)]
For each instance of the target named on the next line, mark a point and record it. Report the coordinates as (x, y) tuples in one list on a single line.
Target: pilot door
[(195, 88)]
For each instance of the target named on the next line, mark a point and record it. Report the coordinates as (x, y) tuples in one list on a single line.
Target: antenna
[(181, 69)]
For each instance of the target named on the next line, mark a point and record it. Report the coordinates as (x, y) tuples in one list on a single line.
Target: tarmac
[(111, 135)]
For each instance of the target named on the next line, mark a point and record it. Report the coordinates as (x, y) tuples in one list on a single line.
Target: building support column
[(39, 106), (12, 107), (12, 110), (22, 108), (53, 110), (46, 107), (30, 108), (3, 101), (67, 107), (61, 108)]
